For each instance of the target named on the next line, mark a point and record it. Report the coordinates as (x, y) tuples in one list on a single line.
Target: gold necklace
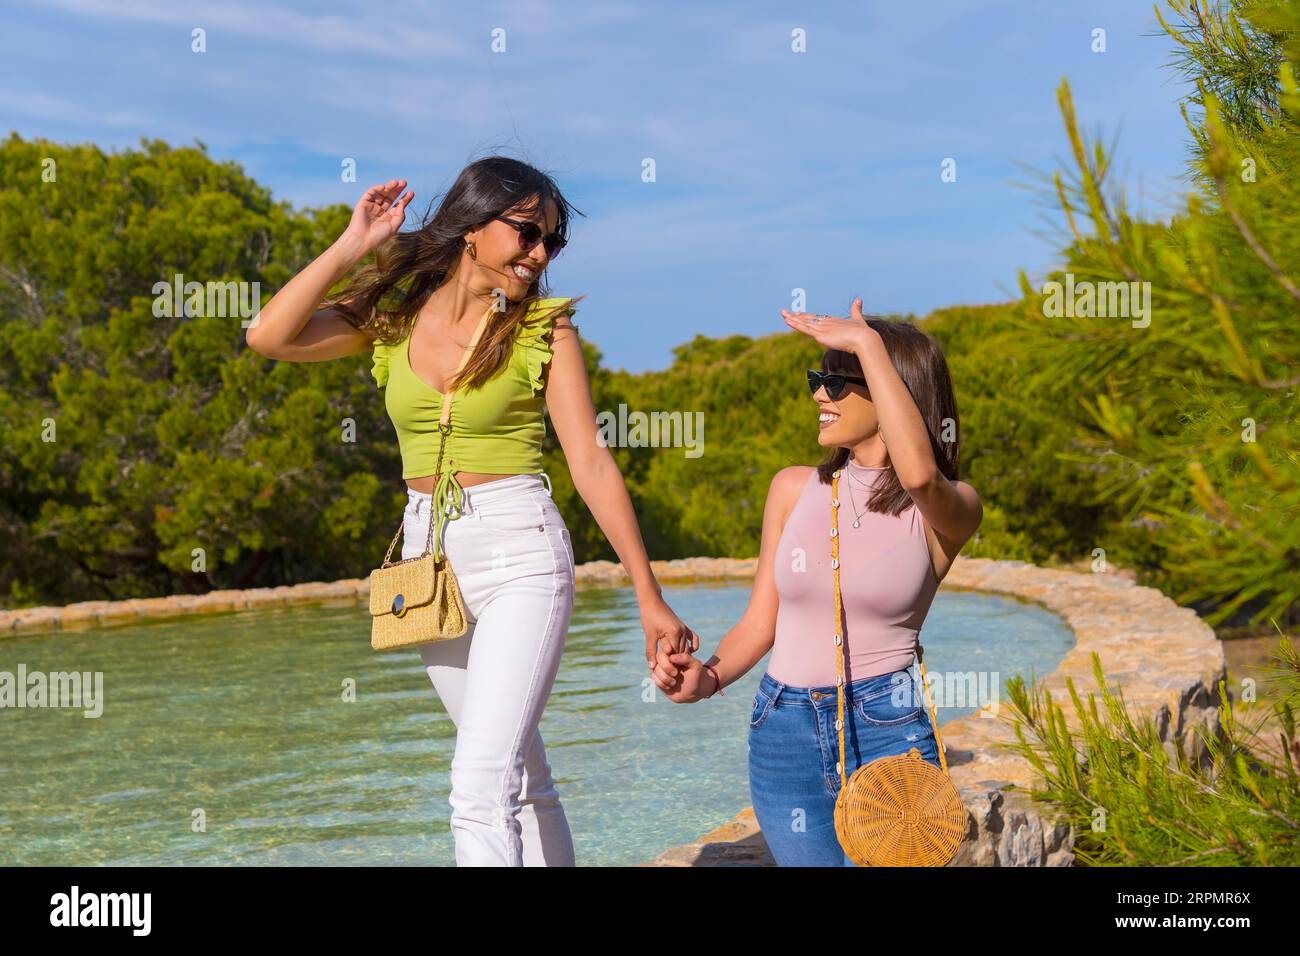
[(857, 518)]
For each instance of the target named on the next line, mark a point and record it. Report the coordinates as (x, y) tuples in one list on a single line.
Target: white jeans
[(513, 559)]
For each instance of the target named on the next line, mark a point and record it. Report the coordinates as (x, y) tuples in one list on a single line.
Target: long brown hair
[(383, 299), (920, 364)]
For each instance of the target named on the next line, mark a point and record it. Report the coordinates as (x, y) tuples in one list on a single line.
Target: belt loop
[(777, 693), (547, 479)]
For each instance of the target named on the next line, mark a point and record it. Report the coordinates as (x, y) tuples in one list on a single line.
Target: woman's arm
[(681, 676), (952, 508), (290, 327), (600, 484)]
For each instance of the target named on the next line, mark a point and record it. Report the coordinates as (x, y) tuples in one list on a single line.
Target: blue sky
[(775, 170)]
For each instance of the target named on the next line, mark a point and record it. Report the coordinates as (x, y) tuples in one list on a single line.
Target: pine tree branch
[(1256, 246)]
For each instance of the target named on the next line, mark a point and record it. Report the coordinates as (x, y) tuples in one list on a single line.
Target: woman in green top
[(466, 287)]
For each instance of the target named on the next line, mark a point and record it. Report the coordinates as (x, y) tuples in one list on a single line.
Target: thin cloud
[(345, 34)]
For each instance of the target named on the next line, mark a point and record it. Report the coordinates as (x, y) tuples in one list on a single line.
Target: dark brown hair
[(383, 299), (920, 364)]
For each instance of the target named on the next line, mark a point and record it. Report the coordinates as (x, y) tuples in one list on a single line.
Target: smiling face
[(501, 261), (848, 421)]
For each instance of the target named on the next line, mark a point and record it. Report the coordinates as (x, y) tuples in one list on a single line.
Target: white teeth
[(827, 417), (524, 272)]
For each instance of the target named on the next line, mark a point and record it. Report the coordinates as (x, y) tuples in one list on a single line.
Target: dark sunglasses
[(530, 233), (834, 382)]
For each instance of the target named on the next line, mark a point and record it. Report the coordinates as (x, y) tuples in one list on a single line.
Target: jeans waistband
[(815, 696), (514, 486)]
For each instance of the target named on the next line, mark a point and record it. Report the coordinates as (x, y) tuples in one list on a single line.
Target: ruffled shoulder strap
[(533, 332)]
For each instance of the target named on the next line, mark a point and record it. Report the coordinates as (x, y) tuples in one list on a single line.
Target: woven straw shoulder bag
[(900, 810)]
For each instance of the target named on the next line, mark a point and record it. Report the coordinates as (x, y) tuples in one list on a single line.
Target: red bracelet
[(710, 668)]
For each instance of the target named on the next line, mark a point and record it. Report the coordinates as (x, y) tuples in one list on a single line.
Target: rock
[(84, 614), (36, 619)]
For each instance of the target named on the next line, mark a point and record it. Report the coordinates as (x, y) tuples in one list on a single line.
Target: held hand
[(664, 628), (379, 214), (832, 332), (682, 677)]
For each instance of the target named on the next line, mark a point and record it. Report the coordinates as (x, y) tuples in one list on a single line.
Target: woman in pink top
[(887, 415)]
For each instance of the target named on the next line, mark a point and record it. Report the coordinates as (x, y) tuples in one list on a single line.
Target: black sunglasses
[(530, 233), (834, 382)]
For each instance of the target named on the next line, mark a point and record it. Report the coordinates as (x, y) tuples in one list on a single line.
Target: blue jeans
[(794, 747)]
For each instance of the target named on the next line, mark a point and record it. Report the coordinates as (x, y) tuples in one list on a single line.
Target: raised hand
[(379, 214), (831, 331)]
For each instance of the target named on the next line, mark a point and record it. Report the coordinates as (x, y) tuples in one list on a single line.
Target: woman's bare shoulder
[(787, 485)]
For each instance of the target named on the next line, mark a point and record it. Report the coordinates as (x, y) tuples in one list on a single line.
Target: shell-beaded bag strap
[(899, 810)]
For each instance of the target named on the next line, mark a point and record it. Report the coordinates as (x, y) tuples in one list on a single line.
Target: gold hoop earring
[(469, 247)]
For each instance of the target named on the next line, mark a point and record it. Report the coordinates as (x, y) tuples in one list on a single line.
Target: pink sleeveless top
[(886, 581)]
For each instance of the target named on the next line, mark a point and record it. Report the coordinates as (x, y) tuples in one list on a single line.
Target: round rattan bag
[(900, 810)]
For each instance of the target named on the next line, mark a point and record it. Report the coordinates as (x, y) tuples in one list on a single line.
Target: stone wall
[(90, 614)]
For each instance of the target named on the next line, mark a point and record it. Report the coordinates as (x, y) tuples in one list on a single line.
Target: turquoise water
[(228, 740)]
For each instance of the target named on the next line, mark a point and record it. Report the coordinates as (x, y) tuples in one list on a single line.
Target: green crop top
[(496, 428)]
